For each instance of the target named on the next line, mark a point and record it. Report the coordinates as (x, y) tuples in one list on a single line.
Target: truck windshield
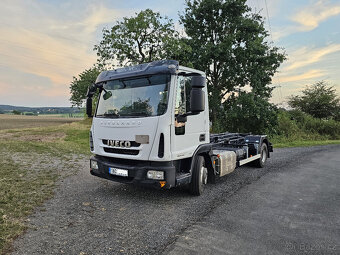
[(134, 97)]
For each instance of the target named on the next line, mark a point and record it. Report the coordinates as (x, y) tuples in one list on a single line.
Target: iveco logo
[(115, 143)]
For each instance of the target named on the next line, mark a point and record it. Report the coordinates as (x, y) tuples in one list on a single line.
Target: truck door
[(186, 136)]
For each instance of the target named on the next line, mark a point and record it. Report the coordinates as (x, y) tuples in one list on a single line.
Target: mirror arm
[(93, 88), (192, 113)]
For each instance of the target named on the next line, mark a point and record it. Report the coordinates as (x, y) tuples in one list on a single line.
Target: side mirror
[(197, 100), (198, 81), (89, 107), (181, 118)]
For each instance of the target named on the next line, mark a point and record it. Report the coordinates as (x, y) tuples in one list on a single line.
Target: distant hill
[(40, 110)]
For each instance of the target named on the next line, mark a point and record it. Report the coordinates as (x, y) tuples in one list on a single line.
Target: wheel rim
[(204, 175), (264, 156)]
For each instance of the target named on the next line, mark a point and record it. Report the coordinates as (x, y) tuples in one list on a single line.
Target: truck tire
[(199, 176), (264, 156)]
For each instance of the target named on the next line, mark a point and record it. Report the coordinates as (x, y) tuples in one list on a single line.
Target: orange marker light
[(162, 183)]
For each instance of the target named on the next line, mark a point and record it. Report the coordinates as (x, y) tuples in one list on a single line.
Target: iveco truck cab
[(151, 127)]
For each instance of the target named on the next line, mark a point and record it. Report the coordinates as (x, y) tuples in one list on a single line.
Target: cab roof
[(155, 67)]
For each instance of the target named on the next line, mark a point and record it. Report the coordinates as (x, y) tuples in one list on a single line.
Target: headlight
[(155, 175), (94, 164)]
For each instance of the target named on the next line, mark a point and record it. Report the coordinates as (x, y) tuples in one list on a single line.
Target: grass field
[(21, 121), (282, 143), (64, 115), (32, 160)]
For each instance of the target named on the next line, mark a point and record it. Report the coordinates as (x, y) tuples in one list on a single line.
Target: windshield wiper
[(136, 114), (110, 115)]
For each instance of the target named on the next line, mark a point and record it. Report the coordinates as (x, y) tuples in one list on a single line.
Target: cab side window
[(182, 104), (183, 95)]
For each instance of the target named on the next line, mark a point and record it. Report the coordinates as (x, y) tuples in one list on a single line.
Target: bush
[(287, 127), (15, 112), (249, 113), (296, 125), (319, 100)]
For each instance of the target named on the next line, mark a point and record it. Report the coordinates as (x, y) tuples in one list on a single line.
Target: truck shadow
[(224, 186)]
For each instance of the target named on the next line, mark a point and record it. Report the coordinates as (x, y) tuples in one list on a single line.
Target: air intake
[(91, 142), (161, 146)]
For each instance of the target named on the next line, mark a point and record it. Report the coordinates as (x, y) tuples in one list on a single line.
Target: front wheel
[(264, 155), (199, 176)]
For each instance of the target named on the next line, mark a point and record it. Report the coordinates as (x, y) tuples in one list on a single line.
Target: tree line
[(223, 38)]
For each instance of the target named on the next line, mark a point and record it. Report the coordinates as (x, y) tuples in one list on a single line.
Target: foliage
[(297, 125), (319, 100), (248, 112), (15, 112), (80, 84), (229, 44), (144, 38)]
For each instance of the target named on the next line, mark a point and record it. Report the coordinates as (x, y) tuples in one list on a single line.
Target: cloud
[(306, 65), (50, 40), (306, 56), (305, 76), (310, 17)]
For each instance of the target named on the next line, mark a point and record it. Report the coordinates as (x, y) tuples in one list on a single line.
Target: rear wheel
[(264, 156), (199, 177)]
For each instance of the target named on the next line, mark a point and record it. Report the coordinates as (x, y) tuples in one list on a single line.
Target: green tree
[(247, 112), (16, 112), (229, 43), (319, 100), (80, 84), (144, 38)]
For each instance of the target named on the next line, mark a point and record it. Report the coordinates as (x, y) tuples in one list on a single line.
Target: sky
[(44, 43)]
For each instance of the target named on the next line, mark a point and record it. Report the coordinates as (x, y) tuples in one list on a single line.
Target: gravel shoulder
[(89, 215)]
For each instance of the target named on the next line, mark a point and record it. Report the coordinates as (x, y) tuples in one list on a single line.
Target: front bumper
[(137, 171)]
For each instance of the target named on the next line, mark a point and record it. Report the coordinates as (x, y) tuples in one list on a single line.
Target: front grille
[(121, 151), (133, 143)]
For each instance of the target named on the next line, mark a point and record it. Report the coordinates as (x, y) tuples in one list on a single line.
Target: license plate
[(118, 171)]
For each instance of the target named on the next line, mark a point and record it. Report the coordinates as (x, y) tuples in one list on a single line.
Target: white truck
[(151, 127)]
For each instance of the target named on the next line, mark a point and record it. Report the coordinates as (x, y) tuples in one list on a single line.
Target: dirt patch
[(33, 137)]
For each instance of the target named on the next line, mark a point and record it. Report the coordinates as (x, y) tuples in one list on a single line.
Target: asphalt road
[(293, 202)]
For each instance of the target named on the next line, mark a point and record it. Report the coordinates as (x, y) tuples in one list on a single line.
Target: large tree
[(319, 100), (230, 44), (80, 84), (146, 37)]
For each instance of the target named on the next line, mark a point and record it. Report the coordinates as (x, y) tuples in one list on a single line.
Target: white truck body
[(151, 127)]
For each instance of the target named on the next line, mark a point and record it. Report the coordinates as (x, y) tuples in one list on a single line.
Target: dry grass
[(31, 161), (21, 121)]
